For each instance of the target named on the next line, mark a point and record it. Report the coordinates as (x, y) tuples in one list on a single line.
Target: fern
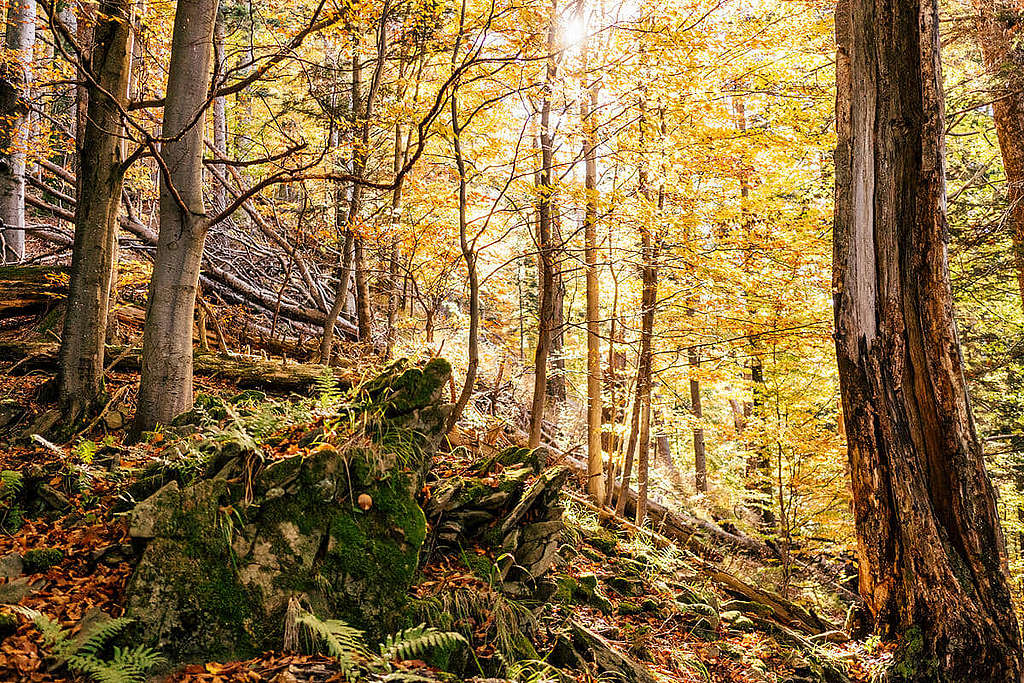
[(416, 641), (328, 391), (346, 644), (81, 653)]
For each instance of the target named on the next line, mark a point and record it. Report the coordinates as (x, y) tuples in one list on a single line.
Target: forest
[(533, 341)]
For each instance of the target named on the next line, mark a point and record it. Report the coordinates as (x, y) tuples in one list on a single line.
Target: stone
[(219, 566), (11, 566), (606, 657)]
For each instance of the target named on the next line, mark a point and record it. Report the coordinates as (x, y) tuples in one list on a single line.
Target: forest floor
[(71, 555)]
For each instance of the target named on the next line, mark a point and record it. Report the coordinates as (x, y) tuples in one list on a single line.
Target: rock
[(11, 410), (12, 593), (504, 515), (738, 621), (219, 567), (40, 559), (11, 566), (607, 658), (52, 497)]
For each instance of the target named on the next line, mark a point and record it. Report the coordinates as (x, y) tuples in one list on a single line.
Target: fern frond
[(416, 641), (341, 641), (97, 635)]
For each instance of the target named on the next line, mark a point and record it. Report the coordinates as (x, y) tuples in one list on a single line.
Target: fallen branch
[(247, 373)]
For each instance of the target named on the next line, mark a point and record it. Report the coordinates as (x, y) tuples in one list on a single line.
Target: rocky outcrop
[(514, 515), (337, 527)]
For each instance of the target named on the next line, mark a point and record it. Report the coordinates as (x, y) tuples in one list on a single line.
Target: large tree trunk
[(101, 169), (999, 25), (20, 39), (932, 556), (595, 408), (165, 388)]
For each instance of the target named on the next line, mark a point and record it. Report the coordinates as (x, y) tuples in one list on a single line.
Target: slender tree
[(545, 240), (932, 557), (20, 38), (595, 407)]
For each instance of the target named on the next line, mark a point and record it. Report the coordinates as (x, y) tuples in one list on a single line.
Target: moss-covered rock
[(338, 529), (41, 559)]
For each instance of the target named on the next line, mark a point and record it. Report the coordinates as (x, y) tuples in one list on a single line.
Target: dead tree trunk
[(165, 388), (101, 169), (932, 556)]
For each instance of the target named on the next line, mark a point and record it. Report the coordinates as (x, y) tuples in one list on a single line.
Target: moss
[(604, 540), (8, 624), (566, 592), (627, 607), (41, 559), (911, 662)]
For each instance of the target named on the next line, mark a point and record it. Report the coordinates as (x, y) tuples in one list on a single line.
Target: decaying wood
[(246, 372)]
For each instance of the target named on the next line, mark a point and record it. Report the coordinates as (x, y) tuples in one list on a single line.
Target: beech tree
[(932, 566), (102, 165), (165, 388)]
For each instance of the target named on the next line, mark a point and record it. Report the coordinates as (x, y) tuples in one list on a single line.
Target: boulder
[(338, 527)]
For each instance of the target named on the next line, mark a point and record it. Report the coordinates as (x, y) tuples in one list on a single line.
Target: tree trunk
[(545, 256), (595, 408), (165, 388), (999, 23), (101, 169), (19, 41), (700, 463), (467, 247), (932, 556)]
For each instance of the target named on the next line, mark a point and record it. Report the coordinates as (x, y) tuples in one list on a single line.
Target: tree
[(595, 408), (14, 107), (102, 166), (165, 388), (999, 22), (545, 238), (932, 557)]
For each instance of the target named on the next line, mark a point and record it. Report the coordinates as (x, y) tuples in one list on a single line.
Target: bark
[(165, 388), (595, 408), (14, 126), (700, 463), (648, 298), (80, 379), (220, 116), (999, 25), (545, 246), (932, 555)]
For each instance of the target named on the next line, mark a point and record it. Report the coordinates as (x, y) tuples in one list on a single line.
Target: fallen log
[(25, 290), (248, 373), (213, 275)]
